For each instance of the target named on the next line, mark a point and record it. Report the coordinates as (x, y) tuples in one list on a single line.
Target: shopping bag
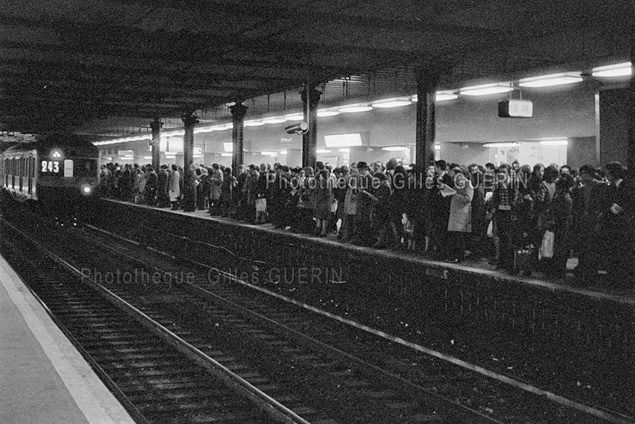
[(261, 205), (523, 259), (546, 247)]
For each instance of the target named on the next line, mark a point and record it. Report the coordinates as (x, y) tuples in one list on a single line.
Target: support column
[(189, 194), (189, 122), (427, 82), (309, 139), (156, 143), (238, 112)]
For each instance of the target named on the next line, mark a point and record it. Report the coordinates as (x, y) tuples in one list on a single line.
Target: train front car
[(67, 173)]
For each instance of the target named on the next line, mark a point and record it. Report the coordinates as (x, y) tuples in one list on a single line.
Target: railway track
[(333, 373), (152, 377)]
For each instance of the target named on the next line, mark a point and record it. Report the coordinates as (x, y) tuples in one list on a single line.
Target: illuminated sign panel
[(51, 167), (68, 168), (515, 109), (343, 140)]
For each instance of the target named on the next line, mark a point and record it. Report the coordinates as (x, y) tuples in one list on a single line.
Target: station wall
[(462, 126)]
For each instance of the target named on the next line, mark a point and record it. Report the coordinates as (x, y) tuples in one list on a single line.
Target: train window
[(68, 168)]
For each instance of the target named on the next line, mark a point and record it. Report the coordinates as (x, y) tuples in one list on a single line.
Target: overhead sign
[(515, 108)]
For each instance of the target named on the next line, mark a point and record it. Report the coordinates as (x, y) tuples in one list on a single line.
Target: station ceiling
[(98, 66)]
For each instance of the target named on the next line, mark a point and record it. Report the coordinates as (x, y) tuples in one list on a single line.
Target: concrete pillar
[(189, 195), (155, 143), (309, 139), (189, 122), (238, 112), (427, 82)]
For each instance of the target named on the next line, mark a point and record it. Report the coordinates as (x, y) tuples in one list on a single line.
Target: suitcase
[(524, 260)]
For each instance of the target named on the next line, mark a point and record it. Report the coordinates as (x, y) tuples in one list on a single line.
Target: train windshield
[(85, 168)]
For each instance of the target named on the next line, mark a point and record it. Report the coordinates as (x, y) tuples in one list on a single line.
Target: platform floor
[(43, 378), (598, 289)]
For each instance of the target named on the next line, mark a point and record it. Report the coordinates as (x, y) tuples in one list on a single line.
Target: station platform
[(43, 378), (598, 289)]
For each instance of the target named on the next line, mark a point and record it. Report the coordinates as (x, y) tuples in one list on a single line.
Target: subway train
[(55, 171)]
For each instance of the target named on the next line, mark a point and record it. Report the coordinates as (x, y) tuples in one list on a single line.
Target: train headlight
[(87, 190)]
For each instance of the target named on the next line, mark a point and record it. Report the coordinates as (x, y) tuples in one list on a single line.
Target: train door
[(13, 168), (21, 174), (31, 168)]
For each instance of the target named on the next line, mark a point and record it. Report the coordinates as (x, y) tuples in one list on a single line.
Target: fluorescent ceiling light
[(442, 96), (203, 130), (147, 157), (170, 153), (617, 70), (274, 120), (226, 154), (551, 80), (355, 108), (295, 116), (393, 148), (322, 151), (123, 140), (254, 123), (344, 150), (229, 147), (555, 142), (437, 146), (485, 89), (268, 153), (343, 140), (390, 103), (198, 156), (283, 152), (223, 127), (513, 144), (322, 113)]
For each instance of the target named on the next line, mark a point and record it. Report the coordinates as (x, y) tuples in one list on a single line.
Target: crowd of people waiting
[(447, 212)]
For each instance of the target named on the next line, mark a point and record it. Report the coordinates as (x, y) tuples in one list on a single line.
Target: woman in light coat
[(174, 187), (460, 222)]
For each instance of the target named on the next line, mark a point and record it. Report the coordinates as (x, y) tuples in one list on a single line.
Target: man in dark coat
[(589, 201), (364, 235), (162, 190), (152, 181), (618, 229)]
